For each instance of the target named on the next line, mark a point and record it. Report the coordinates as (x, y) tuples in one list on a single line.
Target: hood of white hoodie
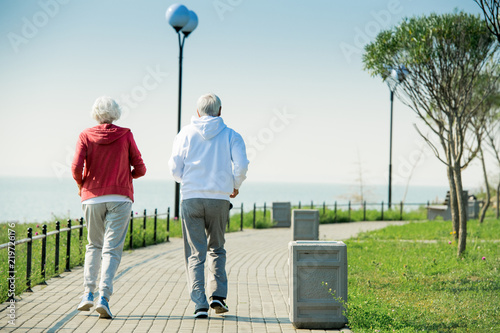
[(208, 126)]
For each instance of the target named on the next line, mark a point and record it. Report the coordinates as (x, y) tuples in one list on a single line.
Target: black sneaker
[(201, 313), (218, 304)]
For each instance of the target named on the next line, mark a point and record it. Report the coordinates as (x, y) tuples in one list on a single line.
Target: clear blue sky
[(289, 74)]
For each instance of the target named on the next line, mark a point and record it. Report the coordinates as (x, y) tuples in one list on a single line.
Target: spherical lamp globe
[(177, 16), (191, 25)]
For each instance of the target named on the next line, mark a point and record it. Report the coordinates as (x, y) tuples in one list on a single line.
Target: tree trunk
[(462, 209), (498, 200), (452, 202), (487, 184)]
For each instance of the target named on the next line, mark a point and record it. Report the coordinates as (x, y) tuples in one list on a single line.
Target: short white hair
[(106, 110), (209, 105)]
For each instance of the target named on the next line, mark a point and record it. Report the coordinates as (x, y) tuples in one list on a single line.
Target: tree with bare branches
[(483, 125), (493, 142), (491, 11)]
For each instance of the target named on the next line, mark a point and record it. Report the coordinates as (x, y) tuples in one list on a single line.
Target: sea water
[(45, 199)]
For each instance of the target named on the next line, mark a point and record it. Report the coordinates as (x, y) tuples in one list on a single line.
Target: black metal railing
[(57, 233), (144, 218), (29, 246), (336, 207)]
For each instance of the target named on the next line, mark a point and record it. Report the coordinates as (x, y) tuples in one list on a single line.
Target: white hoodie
[(209, 159)]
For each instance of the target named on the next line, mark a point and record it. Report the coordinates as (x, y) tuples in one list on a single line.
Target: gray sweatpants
[(203, 227), (107, 225)]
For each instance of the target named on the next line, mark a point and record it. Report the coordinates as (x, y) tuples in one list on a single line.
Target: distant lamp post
[(393, 77), (183, 21)]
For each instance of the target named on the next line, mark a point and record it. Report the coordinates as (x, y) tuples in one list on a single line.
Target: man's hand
[(79, 190), (234, 194)]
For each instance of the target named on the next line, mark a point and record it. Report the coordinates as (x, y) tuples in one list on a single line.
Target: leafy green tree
[(444, 56)]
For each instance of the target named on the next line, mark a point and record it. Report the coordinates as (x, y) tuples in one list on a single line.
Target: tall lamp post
[(394, 77), (183, 21)]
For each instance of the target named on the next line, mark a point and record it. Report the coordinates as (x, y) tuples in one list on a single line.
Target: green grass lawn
[(358, 214), (399, 283)]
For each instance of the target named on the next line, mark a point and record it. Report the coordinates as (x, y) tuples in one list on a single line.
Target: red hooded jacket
[(103, 159)]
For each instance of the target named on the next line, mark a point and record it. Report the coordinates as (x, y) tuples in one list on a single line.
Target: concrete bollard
[(281, 214), (305, 224), (312, 264)]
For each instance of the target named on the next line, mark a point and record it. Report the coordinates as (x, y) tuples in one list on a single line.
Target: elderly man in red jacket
[(106, 160)]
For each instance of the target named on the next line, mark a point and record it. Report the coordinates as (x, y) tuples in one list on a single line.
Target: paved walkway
[(151, 295)]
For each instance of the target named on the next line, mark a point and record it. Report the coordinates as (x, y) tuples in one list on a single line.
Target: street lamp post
[(185, 21), (394, 77)]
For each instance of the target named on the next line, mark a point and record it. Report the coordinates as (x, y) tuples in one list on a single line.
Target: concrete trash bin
[(313, 263), (281, 214), (305, 224)]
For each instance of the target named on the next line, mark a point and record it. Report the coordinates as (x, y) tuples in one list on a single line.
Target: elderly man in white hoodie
[(209, 160)]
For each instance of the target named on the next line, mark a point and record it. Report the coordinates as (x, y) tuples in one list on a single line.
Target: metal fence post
[(254, 212), (144, 230), (241, 217), (155, 218), (349, 211), (312, 205), (382, 218), (68, 247), (264, 210), (28, 260), (168, 224), (81, 242), (11, 258), (335, 212), (401, 211), (58, 237), (364, 210), (324, 208), (300, 204), (44, 251), (131, 239)]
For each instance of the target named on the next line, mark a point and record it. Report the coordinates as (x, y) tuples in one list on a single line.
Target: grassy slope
[(399, 283)]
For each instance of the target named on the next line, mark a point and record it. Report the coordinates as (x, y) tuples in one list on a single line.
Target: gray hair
[(106, 110), (209, 105)]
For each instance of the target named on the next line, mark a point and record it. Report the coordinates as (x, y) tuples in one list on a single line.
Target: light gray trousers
[(107, 225), (203, 227)]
